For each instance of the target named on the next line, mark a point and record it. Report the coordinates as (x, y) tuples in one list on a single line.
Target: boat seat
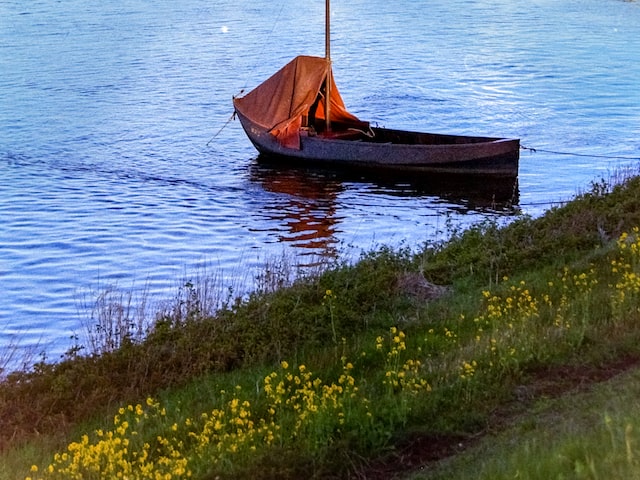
[(350, 134)]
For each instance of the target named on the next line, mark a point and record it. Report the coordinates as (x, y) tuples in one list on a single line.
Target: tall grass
[(116, 317), (13, 355)]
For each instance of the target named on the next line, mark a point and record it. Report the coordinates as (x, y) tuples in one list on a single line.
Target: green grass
[(329, 375), (582, 435)]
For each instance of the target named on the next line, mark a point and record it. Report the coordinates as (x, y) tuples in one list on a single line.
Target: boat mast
[(327, 56)]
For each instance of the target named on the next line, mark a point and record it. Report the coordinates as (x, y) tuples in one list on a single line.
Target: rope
[(266, 42), (613, 157), (233, 115)]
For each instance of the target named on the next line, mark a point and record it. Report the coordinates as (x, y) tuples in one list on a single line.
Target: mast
[(327, 56)]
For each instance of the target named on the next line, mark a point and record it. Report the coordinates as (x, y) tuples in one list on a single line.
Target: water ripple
[(113, 171)]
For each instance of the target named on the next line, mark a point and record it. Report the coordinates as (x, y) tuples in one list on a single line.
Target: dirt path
[(418, 452)]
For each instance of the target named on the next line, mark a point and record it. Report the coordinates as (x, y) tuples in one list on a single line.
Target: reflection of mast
[(307, 208)]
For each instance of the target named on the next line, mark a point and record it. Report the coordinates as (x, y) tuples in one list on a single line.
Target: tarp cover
[(280, 102)]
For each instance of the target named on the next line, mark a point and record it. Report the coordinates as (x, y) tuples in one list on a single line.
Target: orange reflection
[(306, 209)]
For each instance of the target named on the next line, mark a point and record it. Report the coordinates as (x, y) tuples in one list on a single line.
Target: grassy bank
[(362, 370), (587, 433)]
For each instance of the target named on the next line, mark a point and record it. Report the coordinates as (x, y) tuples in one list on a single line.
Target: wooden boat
[(288, 117)]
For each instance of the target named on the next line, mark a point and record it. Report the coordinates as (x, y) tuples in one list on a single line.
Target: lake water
[(113, 173)]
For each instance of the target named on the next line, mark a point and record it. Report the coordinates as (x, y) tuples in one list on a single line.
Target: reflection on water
[(306, 212), (306, 208)]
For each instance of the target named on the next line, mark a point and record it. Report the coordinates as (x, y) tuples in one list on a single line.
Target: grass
[(329, 375), (583, 435)]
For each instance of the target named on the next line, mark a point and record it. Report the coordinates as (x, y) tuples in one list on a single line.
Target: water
[(110, 175)]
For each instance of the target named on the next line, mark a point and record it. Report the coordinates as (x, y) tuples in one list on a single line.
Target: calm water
[(110, 175)]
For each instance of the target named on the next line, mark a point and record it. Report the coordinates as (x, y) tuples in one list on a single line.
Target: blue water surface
[(114, 171)]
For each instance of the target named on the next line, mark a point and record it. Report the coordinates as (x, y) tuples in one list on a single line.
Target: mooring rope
[(612, 157), (233, 115)]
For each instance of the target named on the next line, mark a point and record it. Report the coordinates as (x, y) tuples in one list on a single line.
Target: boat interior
[(364, 132)]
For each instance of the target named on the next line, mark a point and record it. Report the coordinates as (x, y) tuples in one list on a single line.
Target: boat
[(298, 115)]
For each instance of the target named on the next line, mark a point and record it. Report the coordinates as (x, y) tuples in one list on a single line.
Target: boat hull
[(395, 150)]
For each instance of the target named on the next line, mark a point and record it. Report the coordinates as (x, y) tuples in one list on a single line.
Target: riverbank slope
[(371, 370)]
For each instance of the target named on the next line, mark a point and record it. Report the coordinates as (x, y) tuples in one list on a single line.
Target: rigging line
[(264, 44), (613, 157), (233, 115)]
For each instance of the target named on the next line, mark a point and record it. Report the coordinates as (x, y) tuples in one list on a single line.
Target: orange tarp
[(280, 102)]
